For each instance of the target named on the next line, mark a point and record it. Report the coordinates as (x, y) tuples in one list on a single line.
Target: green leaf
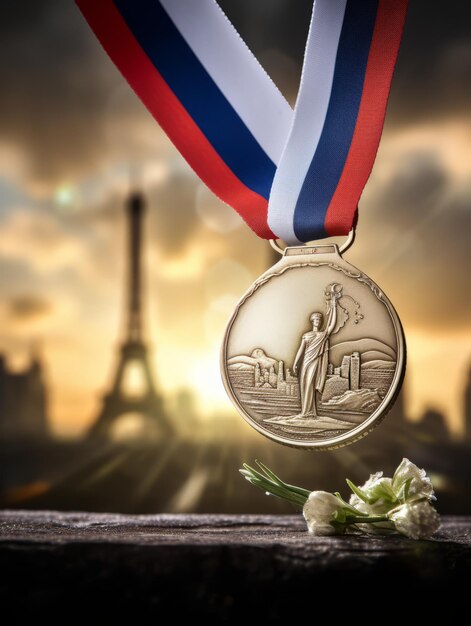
[(386, 491), (358, 491), (269, 473), (254, 473), (275, 478), (347, 506), (303, 492)]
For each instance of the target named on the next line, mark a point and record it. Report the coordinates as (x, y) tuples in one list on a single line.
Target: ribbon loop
[(295, 177)]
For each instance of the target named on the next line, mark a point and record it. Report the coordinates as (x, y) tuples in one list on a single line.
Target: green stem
[(367, 520), (269, 482), (304, 493), (282, 493), (267, 474), (277, 489)]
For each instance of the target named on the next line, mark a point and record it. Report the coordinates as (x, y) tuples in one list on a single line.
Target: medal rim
[(373, 420)]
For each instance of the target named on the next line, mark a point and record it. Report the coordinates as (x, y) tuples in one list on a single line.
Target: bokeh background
[(74, 142)]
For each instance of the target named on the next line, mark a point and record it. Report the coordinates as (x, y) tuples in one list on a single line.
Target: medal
[(314, 353)]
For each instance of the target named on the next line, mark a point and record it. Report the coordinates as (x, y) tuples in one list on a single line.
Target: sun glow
[(134, 380)]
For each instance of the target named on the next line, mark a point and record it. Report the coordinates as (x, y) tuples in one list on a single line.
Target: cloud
[(38, 238), (170, 218), (31, 311), (81, 255), (414, 233), (432, 77), (28, 307), (173, 220), (66, 106)]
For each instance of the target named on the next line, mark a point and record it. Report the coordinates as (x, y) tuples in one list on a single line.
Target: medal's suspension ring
[(343, 248)]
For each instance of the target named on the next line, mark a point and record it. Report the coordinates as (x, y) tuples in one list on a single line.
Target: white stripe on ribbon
[(309, 116), (235, 70)]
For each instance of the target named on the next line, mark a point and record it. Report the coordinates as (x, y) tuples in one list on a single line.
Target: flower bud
[(319, 512), (420, 484), (417, 520)]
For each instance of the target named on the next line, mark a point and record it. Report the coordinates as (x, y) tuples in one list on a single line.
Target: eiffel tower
[(134, 352)]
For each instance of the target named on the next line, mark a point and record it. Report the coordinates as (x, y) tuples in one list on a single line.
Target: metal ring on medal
[(314, 354)]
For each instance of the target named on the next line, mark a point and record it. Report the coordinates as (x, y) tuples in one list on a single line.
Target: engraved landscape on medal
[(332, 384)]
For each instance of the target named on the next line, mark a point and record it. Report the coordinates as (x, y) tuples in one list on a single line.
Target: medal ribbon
[(295, 176)]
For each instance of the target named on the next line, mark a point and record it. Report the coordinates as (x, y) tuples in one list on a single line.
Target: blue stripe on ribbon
[(198, 93), (329, 158)]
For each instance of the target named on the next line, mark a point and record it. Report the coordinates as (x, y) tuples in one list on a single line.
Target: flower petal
[(417, 520), (320, 509), (420, 484)]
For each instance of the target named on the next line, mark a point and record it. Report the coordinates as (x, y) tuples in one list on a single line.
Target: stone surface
[(220, 566)]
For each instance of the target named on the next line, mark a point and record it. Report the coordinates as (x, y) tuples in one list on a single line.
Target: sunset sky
[(73, 134)]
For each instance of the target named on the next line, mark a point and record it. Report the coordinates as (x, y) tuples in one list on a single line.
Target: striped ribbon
[(296, 176)]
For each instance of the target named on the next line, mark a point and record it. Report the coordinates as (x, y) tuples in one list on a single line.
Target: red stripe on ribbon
[(124, 50), (384, 49)]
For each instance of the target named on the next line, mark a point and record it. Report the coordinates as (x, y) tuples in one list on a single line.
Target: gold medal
[(314, 354)]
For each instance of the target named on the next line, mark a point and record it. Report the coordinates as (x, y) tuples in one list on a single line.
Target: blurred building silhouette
[(23, 401), (133, 393), (433, 424)]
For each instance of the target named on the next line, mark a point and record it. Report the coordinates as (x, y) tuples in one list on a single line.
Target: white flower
[(319, 512), (378, 487), (380, 499), (417, 520), (380, 507), (420, 484), (379, 495)]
